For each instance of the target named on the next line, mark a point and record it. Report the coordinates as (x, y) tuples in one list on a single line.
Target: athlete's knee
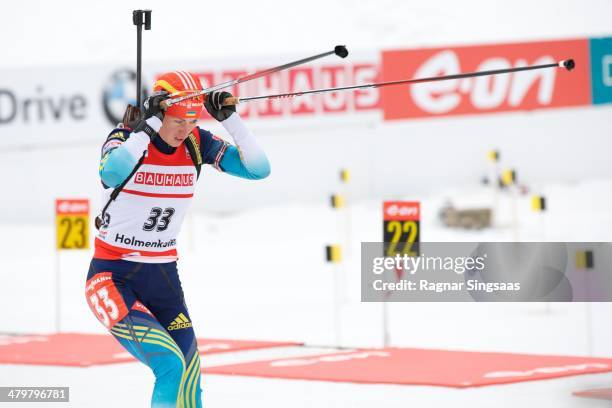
[(168, 379), (170, 367)]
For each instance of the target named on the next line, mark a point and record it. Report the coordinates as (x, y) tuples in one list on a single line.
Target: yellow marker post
[(345, 226), (344, 217), (493, 177), (584, 260), (493, 155), (508, 179), (337, 201), (72, 224), (538, 203), (333, 254), (345, 175), (71, 232)]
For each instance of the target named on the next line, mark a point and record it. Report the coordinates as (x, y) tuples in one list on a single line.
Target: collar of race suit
[(162, 146)]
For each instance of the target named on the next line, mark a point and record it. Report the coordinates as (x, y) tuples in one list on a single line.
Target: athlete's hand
[(152, 105), (213, 105), (152, 108)]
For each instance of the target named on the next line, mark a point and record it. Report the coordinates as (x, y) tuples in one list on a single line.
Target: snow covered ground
[(128, 385), (261, 275)]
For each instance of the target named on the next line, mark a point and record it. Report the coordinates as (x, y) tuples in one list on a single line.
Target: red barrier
[(446, 368), (73, 349)]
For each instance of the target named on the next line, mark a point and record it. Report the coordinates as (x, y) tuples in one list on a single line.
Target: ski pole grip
[(232, 100), (164, 105)]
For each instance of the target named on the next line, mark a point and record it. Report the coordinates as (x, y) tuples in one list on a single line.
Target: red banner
[(545, 88)]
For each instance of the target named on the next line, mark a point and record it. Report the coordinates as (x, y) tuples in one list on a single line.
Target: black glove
[(214, 108), (151, 107)]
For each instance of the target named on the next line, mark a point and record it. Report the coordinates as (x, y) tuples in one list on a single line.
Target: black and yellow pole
[(342, 201), (345, 175), (538, 205), (508, 180), (493, 156), (493, 181), (508, 177), (333, 255), (585, 260), (337, 201)]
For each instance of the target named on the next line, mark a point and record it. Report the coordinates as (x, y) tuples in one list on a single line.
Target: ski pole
[(339, 50), (567, 64)]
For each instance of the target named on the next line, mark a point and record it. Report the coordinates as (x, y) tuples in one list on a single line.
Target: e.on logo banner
[(401, 210), (71, 206), (543, 88)]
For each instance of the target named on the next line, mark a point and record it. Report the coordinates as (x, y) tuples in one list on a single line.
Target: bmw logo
[(120, 91)]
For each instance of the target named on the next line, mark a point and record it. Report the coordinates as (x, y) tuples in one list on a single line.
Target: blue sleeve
[(231, 163), (212, 148), (116, 164), (226, 158)]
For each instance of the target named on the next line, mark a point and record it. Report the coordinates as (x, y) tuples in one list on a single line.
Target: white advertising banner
[(53, 105)]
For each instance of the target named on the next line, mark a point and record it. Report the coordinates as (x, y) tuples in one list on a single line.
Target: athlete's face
[(174, 130)]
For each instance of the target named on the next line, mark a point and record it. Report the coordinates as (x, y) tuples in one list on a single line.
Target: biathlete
[(149, 170)]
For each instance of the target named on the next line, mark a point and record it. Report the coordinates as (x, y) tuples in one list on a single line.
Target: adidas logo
[(181, 322)]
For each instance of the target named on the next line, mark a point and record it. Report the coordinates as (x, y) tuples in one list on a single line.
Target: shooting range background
[(279, 287)]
